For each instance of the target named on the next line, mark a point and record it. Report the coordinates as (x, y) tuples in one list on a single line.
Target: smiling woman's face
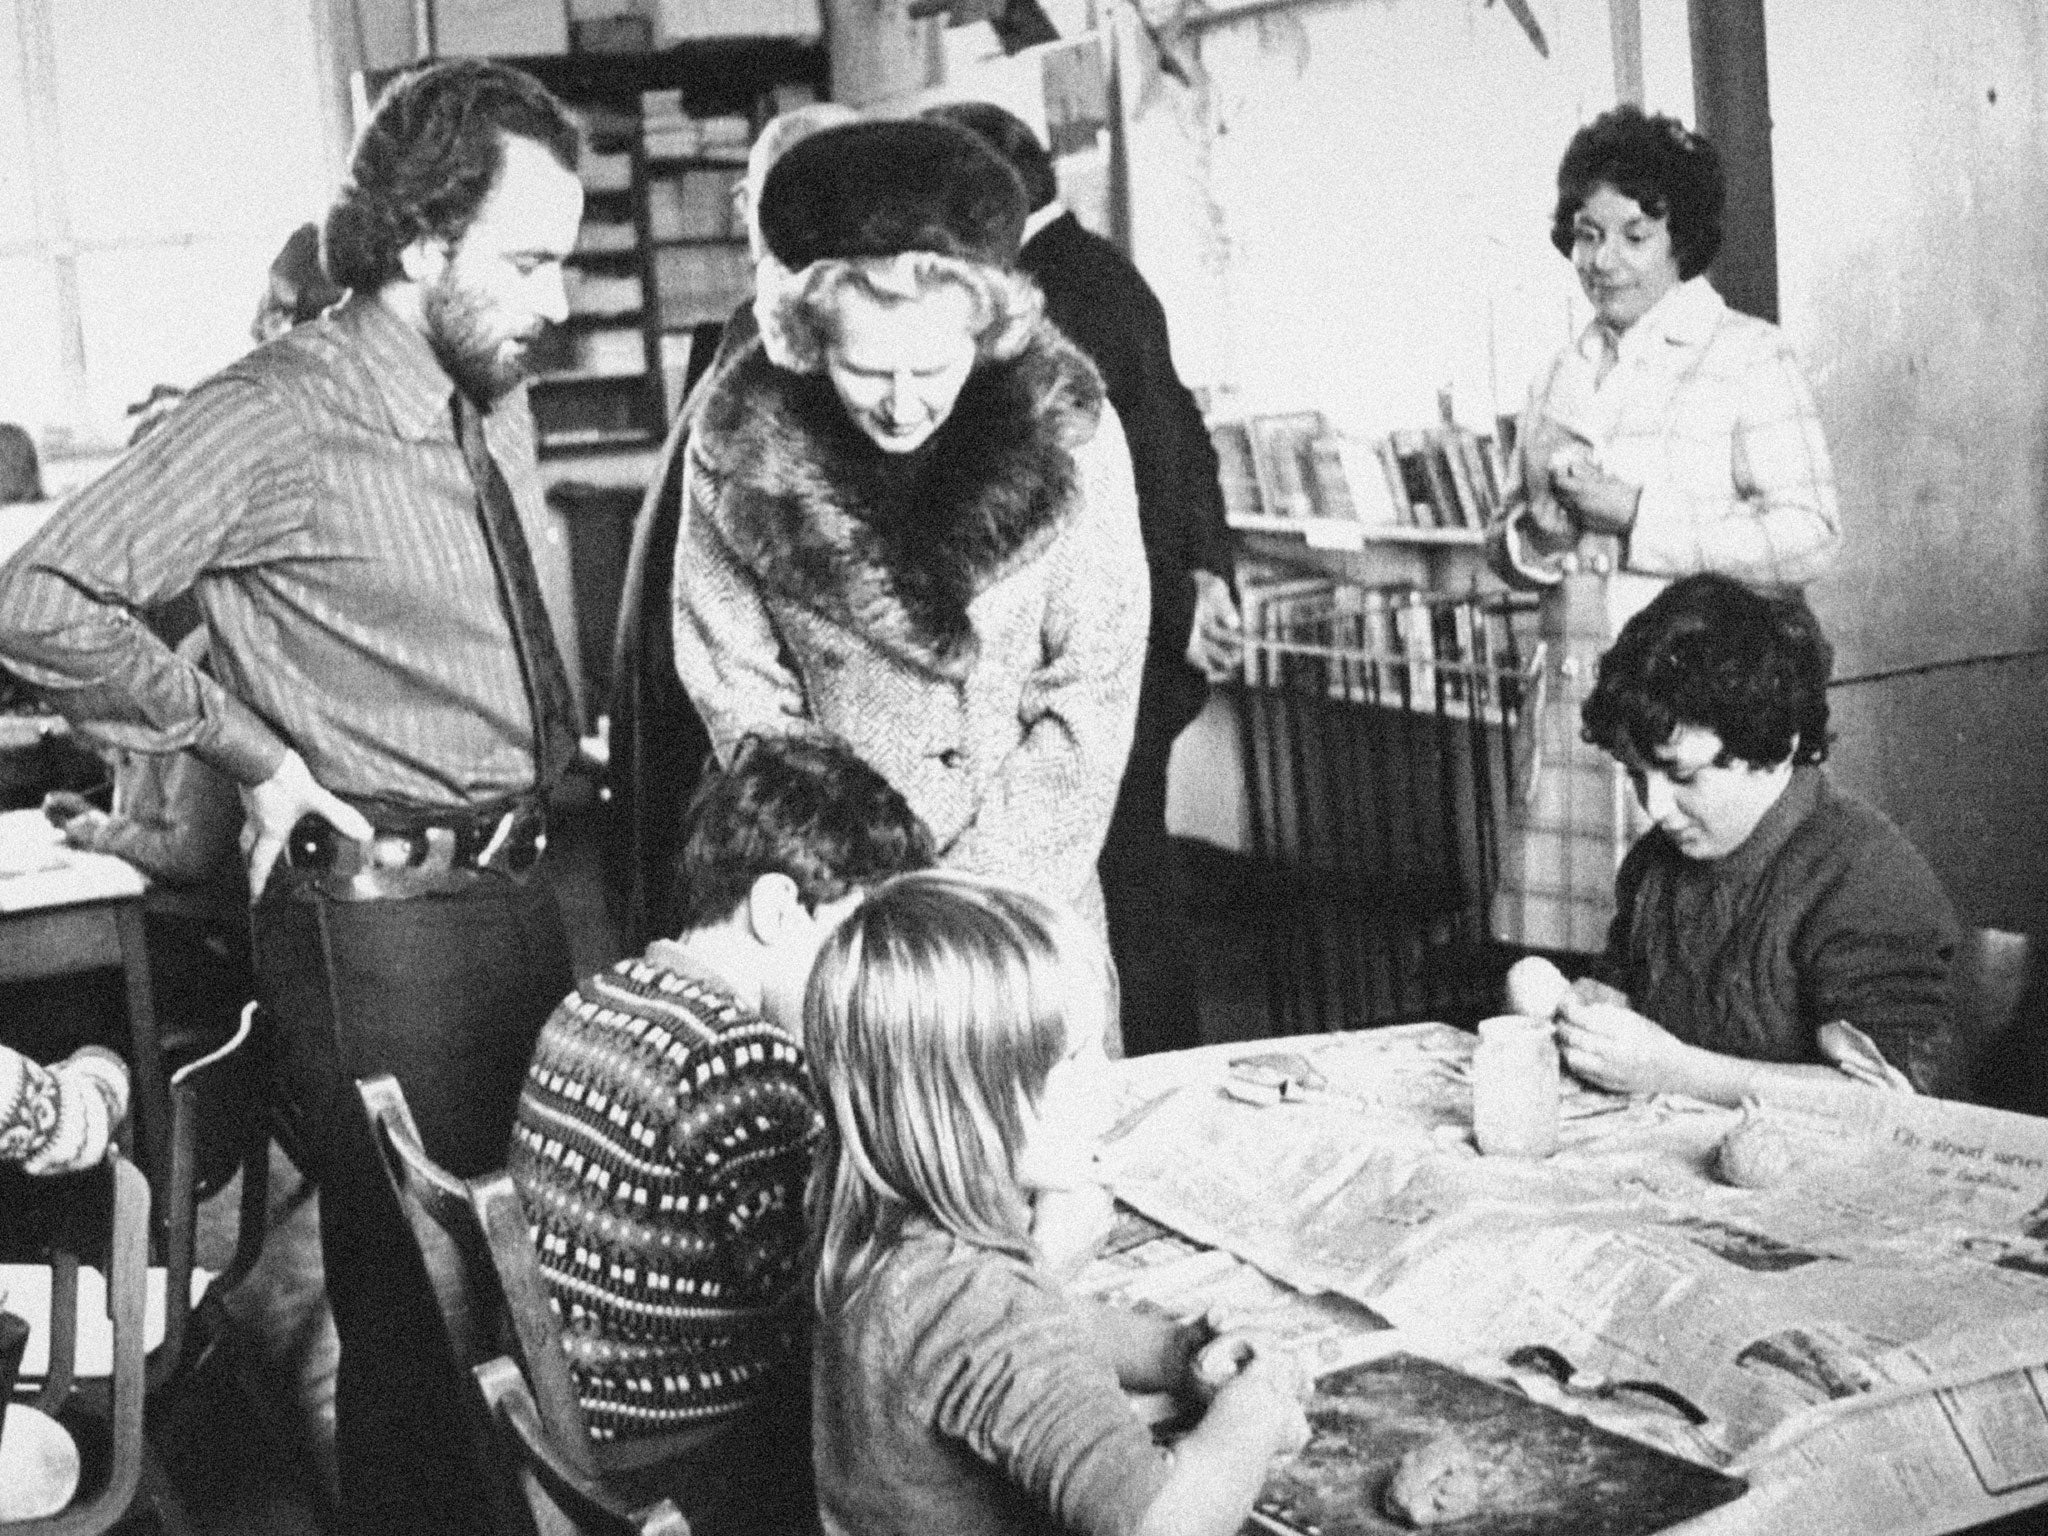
[(1623, 257), (898, 365)]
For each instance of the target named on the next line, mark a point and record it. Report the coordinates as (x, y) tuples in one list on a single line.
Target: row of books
[(694, 204), (1443, 477), (668, 132), (1396, 646), (697, 283), (1295, 466)]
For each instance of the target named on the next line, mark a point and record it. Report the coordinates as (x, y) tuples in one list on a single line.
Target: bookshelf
[(660, 253), (1409, 508)]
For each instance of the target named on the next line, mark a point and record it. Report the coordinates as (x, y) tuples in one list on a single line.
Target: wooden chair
[(90, 1374), (529, 1430), (127, 1262), (1999, 1003)]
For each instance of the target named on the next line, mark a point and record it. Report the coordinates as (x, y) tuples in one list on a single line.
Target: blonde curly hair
[(798, 312)]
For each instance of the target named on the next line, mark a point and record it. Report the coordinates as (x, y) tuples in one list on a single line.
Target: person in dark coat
[(1103, 305)]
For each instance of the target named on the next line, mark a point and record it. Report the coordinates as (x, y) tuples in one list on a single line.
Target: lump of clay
[(1435, 1483), (1536, 988), (1757, 1154)]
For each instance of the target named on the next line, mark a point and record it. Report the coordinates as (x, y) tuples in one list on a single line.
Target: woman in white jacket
[(1673, 437)]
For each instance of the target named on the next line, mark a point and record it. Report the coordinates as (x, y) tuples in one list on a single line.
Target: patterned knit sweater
[(663, 1140)]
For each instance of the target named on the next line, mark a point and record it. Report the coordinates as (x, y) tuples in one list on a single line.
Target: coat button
[(950, 758)]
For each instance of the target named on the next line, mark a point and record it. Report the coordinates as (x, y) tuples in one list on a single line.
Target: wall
[(1913, 280)]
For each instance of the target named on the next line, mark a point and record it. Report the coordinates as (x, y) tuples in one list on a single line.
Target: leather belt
[(430, 857)]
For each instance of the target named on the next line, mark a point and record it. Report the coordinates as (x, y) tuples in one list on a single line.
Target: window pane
[(165, 315), (32, 389), (187, 117), (17, 192)]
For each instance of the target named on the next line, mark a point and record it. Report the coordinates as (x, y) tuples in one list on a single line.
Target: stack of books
[(681, 21), (667, 132), (693, 204), (696, 283)]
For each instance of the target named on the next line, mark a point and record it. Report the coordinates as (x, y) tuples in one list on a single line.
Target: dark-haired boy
[(1766, 908), (665, 1133)]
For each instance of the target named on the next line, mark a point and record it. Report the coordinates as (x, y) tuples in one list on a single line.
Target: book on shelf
[(602, 171), (598, 293), (1448, 444), (695, 283), (1329, 486), (1406, 512), (1410, 448), (1492, 471), (1415, 635), (1283, 458), (602, 237), (693, 204), (1234, 469), (1365, 482), (1443, 491)]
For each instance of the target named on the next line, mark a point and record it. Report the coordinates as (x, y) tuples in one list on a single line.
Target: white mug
[(1515, 1087)]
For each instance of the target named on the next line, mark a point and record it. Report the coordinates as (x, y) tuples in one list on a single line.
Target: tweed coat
[(970, 619), (1706, 409)]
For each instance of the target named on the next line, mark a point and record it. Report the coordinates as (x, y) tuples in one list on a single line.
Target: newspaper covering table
[(1864, 1341)]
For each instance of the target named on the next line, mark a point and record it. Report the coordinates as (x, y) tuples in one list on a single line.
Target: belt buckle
[(512, 848)]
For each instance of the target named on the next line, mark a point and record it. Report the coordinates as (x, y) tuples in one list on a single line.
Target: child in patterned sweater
[(665, 1134)]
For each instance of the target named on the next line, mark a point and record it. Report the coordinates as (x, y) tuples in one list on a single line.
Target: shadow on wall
[(1958, 757)]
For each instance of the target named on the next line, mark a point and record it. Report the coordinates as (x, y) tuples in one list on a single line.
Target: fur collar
[(895, 547)]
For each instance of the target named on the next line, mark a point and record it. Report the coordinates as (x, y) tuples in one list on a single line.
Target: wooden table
[(1865, 1341), (63, 911)]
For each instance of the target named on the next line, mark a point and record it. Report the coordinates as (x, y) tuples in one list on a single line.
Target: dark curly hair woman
[(1767, 924), (1673, 436)]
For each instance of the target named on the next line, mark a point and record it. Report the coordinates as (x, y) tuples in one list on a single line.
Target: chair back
[(219, 1126), (444, 1224), (127, 1296), (1998, 999), (501, 1329)]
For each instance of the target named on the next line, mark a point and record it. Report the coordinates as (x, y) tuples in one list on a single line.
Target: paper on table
[(1917, 1256), (39, 869), (29, 843)]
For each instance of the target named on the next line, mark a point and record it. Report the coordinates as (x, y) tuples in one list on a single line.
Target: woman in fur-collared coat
[(908, 512)]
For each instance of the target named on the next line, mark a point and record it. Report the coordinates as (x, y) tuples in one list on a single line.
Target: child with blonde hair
[(952, 1024)]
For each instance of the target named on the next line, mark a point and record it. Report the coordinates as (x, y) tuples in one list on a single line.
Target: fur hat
[(884, 188)]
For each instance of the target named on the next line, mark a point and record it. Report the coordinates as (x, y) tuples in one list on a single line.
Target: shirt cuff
[(1520, 550), (242, 746)]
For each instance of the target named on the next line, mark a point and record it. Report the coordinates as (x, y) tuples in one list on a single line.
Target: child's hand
[(83, 830), (61, 805), (1245, 1372)]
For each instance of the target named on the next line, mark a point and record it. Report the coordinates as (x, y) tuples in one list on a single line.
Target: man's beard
[(486, 367)]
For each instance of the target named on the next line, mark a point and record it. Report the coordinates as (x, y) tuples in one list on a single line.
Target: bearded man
[(356, 508)]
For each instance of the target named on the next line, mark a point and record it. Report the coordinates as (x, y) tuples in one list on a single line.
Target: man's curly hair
[(1672, 172), (1712, 654), (429, 156)]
